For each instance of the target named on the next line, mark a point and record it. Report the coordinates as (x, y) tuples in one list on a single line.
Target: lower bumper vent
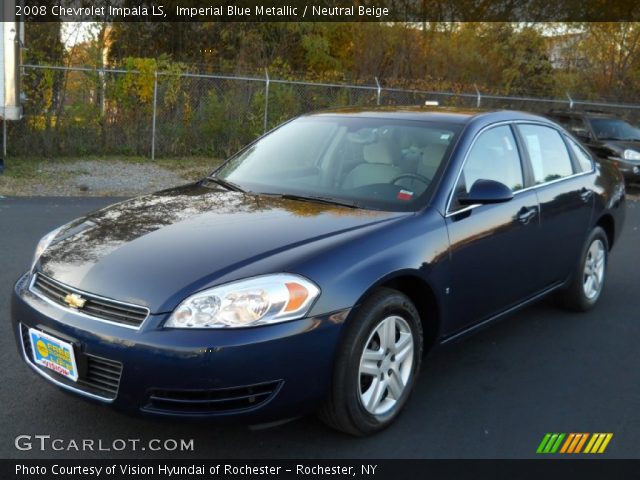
[(220, 400)]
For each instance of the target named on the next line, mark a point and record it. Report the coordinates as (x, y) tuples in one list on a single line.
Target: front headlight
[(631, 155), (43, 244), (246, 303)]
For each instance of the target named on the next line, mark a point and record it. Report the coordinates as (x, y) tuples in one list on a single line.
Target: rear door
[(562, 172), (492, 247)]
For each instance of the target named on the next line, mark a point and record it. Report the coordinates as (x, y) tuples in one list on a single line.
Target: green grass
[(21, 168), (188, 167)]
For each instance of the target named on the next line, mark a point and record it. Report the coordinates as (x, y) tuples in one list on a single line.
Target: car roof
[(441, 114)]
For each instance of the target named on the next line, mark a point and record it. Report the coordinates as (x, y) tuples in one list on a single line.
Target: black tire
[(574, 297), (343, 408)]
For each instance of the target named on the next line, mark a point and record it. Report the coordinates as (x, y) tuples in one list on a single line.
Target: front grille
[(95, 306), (222, 400), (101, 378)]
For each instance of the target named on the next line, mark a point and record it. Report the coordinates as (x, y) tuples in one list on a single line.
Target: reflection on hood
[(148, 247)]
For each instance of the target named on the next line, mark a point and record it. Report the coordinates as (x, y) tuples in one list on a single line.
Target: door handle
[(525, 215), (586, 194)]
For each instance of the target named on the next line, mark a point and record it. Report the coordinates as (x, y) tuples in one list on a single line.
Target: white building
[(564, 52)]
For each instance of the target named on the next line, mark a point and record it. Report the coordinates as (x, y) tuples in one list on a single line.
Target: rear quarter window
[(584, 159)]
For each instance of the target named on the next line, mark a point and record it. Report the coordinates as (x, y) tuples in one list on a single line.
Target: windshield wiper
[(226, 184), (315, 199)]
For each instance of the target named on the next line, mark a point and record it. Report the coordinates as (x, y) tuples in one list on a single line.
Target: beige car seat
[(378, 167)]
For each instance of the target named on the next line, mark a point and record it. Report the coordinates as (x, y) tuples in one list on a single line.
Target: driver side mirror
[(484, 192)]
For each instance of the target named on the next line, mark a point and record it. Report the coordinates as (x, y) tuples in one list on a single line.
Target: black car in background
[(608, 136)]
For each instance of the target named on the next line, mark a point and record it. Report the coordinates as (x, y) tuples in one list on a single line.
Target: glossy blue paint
[(477, 262)]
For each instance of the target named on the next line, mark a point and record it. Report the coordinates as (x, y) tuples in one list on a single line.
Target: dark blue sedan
[(314, 269)]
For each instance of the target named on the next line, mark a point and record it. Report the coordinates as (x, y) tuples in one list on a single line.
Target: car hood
[(621, 145), (156, 249)]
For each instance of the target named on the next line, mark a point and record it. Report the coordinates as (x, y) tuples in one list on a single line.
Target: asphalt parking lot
[(494, 395)]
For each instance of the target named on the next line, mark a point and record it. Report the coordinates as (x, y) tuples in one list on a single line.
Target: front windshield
[(614, 129), (367, 162)]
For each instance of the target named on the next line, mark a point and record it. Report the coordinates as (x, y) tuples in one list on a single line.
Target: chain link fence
[(83, 111)]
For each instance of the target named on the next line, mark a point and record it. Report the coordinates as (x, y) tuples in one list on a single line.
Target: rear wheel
[(376, 365), (589, 276)]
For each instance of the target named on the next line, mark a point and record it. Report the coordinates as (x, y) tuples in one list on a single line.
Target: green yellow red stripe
[(574, 443)]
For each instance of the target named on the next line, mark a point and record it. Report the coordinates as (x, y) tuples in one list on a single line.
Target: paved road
[(491, 396)]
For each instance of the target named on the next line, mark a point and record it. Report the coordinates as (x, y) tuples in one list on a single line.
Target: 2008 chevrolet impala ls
[(314, 269)]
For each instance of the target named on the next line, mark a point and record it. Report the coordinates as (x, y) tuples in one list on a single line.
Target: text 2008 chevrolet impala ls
[(313, 269)]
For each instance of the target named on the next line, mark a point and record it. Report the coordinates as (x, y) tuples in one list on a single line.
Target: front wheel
[(376, 365), (588, 279)]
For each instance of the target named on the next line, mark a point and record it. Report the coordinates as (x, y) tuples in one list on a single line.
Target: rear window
[(574, 124)]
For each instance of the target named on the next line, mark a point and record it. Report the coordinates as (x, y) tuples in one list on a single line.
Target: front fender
[(415, 246)]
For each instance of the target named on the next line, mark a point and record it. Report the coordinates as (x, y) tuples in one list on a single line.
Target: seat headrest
[(377, 153)]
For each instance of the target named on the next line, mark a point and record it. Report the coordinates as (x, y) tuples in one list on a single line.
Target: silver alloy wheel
[(594, 269), (385, 365)]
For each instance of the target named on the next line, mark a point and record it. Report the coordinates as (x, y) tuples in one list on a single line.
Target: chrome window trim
[(557, 180), (449, 213), (81, 313), (468, 208), (48, 377)]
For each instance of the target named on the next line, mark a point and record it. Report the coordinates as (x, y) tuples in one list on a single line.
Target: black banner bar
[(583, 469), (327, 10)]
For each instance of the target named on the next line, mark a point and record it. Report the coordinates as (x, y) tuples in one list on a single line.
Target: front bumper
[(254, 374), (630, 171)]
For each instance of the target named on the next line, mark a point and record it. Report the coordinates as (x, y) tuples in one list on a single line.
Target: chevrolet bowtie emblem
[(74, 300)]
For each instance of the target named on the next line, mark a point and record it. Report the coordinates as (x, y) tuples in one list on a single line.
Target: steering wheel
[(415, 176)]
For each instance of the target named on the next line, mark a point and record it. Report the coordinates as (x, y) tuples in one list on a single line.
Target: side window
[(494, 156), (584, 159), (548, 153)]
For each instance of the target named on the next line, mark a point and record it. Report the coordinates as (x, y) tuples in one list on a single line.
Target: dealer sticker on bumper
[(53, 354)]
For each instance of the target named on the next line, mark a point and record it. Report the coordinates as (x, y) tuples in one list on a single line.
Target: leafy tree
[(612, 53)]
